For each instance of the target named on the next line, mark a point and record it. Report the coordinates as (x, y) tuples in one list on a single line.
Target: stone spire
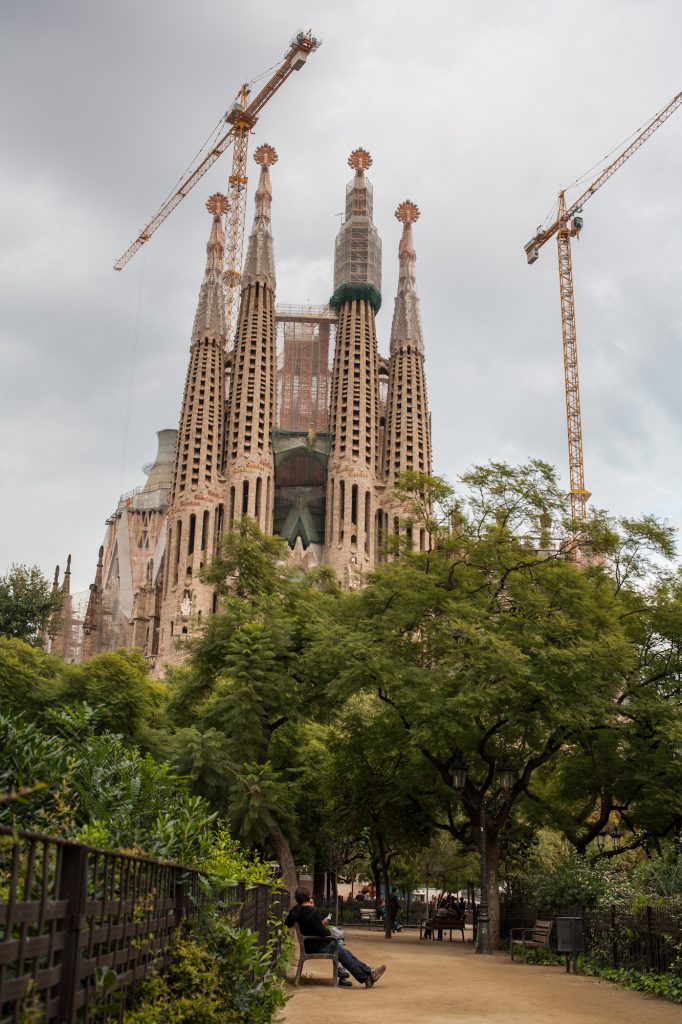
[(407, 326), (61, 630), (196, 508), (408, 429), (259, 265), (66, 585), (249, 458), (354, 460), (210, 314), (92, 623), (199, 440)]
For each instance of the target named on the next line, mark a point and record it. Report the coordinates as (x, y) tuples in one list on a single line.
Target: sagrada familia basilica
[(298, 423)]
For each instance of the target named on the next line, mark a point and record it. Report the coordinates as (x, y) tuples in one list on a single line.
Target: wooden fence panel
[(71, 914)]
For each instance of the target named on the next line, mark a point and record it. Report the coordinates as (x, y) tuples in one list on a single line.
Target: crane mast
[(576, 469), (241, 117), (568, 224)]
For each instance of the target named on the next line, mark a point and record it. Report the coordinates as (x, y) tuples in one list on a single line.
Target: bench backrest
[(541, 931), (447, 920)]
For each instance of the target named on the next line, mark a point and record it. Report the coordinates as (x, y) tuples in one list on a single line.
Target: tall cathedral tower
[(408, 427), (310, 452), (354, 461), (196, 504), (249, 461)]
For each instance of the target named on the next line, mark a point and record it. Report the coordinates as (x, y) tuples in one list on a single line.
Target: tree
[(250, 685), (27, 604), (493, 646), (379, 786), (619, 772)]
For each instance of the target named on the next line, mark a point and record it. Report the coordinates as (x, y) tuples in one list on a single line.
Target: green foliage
[(658, 880), (555, 876), (118, 686), (29, 678), (27, 603), (225, 860), (665, 986), (250, 686), (97, 789), (221, 976)]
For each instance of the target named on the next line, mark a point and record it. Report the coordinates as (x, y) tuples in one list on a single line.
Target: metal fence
[(70, 915), (412, 912), (647, 941)]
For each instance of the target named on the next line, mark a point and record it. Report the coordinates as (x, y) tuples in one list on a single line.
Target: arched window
[(191, 533)]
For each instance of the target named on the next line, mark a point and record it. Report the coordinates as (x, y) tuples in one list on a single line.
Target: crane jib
[(303, 44)]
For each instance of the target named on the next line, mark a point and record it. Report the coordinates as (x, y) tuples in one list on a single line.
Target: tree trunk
[(376, 876), (282, 851), (318, 883), (493, 888)]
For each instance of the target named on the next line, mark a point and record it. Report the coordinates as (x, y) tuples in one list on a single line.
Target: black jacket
[(309, 920)]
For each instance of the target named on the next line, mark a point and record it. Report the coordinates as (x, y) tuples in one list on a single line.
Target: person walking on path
[(309, 920), (394, 910)]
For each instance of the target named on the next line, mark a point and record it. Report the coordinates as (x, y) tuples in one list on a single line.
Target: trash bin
[(570, 939)]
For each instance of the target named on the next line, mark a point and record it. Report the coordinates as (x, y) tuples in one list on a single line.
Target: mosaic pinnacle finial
[(266, 155), (407, 212), (360, 160), (217, 204)]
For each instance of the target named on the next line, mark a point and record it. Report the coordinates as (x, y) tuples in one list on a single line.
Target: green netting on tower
[(349, 292)]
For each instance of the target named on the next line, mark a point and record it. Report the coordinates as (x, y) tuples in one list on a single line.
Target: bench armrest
[(522, 933)]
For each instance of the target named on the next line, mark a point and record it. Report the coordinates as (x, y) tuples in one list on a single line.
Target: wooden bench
[(441, 923), (369, 916), (537, 937), (303, 955)]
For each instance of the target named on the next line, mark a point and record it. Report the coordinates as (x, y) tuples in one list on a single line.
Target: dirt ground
[(447, 983)]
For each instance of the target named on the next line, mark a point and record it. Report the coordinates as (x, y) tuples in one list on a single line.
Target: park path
[(447, 983)]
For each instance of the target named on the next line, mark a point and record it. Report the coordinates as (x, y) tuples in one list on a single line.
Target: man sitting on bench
[(309, 920)]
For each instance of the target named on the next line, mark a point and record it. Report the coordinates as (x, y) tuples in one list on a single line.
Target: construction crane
[(241, 117), (567, 225)]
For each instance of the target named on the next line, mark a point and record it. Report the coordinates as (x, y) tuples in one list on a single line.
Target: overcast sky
[(478, 112)]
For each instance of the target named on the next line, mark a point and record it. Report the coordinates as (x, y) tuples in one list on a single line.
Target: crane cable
[(551, 216), (133, 364), (206, 145)]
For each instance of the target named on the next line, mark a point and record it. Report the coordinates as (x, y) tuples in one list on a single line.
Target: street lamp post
[(459, 779), (483, 930)]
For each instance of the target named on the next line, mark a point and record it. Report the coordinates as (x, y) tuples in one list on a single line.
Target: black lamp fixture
[(459, 774), (616, 836), (507, 774), (601, 840)]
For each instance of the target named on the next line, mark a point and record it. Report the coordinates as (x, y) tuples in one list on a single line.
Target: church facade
[(297, 422)]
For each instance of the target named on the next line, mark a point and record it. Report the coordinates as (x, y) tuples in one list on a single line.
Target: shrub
[(220, 975)]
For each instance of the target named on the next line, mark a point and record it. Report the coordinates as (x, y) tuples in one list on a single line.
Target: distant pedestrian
[(394, 910)]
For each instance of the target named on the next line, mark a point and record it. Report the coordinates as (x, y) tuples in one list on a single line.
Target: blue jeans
[(356, 967)]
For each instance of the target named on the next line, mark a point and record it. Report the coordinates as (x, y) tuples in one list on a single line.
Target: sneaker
[(345, 982), (374, 975)]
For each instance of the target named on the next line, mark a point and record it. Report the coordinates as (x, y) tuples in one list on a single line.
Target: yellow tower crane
[(241, 117), (567, 225)]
